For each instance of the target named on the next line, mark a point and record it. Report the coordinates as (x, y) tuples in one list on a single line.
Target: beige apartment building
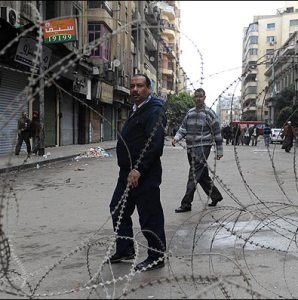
[(262, 38), (169, 48)]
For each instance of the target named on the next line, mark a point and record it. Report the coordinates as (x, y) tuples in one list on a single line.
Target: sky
[(215, 29)]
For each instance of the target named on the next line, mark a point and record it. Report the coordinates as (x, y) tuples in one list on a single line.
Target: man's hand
[(133, 177), (174, 141), (218, 157)]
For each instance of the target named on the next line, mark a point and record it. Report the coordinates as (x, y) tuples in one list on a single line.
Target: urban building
[(169, 47), (282, 73), (228, 109), (82, 92), (261, 40), (19, 33)]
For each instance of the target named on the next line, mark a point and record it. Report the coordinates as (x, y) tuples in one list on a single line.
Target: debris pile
[(94, 152)]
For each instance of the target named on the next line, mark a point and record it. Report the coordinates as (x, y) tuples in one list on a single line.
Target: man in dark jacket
[(35, 132), (139, 149), (23, 133), (289, 135)]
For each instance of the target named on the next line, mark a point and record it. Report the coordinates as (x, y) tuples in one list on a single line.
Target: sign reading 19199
[(60, 38)]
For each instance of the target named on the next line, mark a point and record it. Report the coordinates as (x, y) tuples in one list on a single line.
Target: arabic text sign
[(60, 31), (26, 53)]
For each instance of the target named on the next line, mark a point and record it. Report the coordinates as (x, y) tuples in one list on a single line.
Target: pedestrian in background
[(227, 133), (24, 133), (200, 128), (35, 132), (147, 117), (242, 133), (254, 135), (266, 134), (289, 135)]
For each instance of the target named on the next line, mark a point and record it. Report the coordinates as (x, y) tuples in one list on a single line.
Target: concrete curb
[(25, 166)]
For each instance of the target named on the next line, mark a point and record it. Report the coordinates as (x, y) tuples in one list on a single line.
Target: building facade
[(228, 109), (82, 92), (261, 40)]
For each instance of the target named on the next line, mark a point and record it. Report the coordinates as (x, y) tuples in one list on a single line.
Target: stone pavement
[(12, 162)]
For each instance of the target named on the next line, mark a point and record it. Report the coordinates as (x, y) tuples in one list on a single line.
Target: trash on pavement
[(79, 169), (93, 152)]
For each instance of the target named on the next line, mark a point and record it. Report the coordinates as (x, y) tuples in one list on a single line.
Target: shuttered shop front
[(12, 83)]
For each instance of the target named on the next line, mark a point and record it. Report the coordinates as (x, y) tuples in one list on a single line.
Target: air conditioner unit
[(10, 15), (272, 43)]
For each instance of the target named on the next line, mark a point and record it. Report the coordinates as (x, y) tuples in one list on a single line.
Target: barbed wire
[(16, 282)]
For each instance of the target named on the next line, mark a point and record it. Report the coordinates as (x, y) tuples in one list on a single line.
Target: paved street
[(57, 220)]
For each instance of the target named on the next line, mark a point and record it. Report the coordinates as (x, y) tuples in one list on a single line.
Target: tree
[(284, 108), (288, 113), (177, 107)]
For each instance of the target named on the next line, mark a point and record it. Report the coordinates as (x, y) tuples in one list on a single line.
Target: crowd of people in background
[(249, 136)]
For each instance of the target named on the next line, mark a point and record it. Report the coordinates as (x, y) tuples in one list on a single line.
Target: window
[(253, 51), (294, 22), (253, 28), (96, 31), (271, 26), (253, 40), (270, 39)]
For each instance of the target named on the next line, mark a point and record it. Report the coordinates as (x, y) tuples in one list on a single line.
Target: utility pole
[(41, 92), (295, 99)]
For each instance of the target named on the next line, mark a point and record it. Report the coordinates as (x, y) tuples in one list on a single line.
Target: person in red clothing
[(289, 135)]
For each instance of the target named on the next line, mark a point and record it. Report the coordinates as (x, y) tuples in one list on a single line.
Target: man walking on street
[(200, 128), (289, 135), (254, 135), (142, 171), (266, 134), (23, 133), (35, 132)]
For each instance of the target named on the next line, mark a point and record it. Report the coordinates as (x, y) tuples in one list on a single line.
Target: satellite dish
[(117, 62), (152, 58)]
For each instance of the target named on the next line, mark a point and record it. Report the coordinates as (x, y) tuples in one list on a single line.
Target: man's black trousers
[(23, 136), (146, 197), (197, 158)]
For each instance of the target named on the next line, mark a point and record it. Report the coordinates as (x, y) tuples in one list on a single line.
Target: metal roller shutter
[(11, 84), (67, 120)]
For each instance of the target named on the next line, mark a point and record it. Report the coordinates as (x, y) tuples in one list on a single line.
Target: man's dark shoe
[(182, 209), (118, 257), (149, 264), (214, 202)]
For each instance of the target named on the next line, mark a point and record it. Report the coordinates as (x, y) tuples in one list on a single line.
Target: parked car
[(276, 136)]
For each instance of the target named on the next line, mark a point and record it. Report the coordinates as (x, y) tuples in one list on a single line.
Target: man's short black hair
[(148, 81), (201, 91)]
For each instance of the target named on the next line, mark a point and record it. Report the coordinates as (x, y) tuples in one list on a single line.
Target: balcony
[(167, 71), (249, 108), (251, 58), (250, 84), (250, 96), (167, 10), (152, 14), (169, 31)]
